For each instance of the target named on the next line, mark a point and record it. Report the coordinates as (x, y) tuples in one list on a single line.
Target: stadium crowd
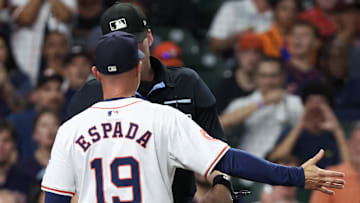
[(285, 74)]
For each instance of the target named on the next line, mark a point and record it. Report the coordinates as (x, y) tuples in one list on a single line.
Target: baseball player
[(125, 149), (179, 87)]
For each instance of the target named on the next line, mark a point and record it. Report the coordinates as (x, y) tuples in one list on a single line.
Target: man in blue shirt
[(317, 129)]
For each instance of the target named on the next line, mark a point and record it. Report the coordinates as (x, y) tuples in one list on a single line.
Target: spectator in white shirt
[(32, 18), (236, 17), (265, 112)]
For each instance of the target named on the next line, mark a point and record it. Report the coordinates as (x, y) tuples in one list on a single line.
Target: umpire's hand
[(320, 179)]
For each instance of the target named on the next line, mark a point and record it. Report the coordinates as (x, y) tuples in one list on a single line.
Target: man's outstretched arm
[(238, 163)]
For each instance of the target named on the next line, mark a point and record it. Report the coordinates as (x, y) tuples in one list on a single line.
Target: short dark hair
[(69, 58), (8, 126), (274, 4), (305, 23), (45, 79), (317, 88), (269, 59)]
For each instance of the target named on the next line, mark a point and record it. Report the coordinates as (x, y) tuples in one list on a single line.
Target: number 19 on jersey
[(133, 181)]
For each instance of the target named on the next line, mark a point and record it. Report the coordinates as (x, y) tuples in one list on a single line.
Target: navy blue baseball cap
[(117, 52)]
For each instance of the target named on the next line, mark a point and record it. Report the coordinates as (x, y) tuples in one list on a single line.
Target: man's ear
[(150, 37), (96, 73), (138, 68)]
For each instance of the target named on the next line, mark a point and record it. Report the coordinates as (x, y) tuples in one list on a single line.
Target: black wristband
[(225, 180)]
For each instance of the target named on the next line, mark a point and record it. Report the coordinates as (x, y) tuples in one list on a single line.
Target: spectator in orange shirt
[(351, 194), (322, 15), (276, 40)]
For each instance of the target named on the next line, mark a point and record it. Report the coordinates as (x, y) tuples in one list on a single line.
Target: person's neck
[(147, 74), (244, 80), (303, 64), (283, 31), (115, 93), (42, 155), (259, 7)]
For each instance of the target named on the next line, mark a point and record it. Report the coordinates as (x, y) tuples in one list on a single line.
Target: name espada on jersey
[(113, 131), (127, 151)]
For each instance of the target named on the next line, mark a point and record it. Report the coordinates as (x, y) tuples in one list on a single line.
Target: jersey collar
[(117, 98)]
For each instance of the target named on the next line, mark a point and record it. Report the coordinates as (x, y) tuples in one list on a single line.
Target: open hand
[(320, 179)]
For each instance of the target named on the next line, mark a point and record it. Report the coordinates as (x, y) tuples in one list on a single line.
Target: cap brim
[(141, 54), (140, 36)]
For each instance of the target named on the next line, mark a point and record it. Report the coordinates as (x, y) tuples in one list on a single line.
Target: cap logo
[(145, 23), (112, 69), (118, 24)]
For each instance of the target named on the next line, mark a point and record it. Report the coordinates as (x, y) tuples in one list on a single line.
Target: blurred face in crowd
[(3, 51), (45, 130), (314, 115), (303, 41), (78, 71), (49, 95), (248, 59), (326, 5), (55, 47), (268, 76), (7, 146), (144, 46), (354, 146), (337, 61), (286, 13)]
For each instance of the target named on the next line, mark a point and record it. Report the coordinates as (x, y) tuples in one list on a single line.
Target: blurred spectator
[(7, 196), (45, 127), (241, 83), (169, 53), (351, 193), (77, 71), (88, 17), (276, 39), (14, 84), (265, 112), (280, 194), (318, 128), (235, 18), (348, 21), (33, 18), (55, 50), (47, 95), (335, 65), (322, 15), (11, 177), (304, 44)]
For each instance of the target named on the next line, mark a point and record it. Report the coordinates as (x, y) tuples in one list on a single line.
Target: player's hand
[(320, 179)]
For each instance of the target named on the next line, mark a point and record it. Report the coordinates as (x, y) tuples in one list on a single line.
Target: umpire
[(181, 88)]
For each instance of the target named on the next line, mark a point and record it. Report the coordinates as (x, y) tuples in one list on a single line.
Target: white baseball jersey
[(127, 150)]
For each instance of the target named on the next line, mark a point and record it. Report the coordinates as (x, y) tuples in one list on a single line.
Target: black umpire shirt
[(181, 88)]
